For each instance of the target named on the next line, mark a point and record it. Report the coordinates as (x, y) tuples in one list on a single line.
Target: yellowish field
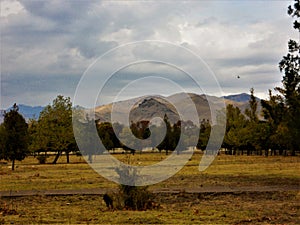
[(239, 208), (225, 171), (280, 207)]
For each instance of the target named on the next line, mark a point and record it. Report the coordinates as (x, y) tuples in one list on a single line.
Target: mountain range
[(243, 97), (148, 107), (28, 112)]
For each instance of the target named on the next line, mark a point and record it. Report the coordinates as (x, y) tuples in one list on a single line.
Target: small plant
[(132, 197), (42, 159)]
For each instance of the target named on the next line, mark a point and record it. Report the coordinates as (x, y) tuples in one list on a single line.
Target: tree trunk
[(13, 164), (68, 156), (56, 157), (267, 152)]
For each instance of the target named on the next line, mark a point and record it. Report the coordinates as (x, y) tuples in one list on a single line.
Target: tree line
[(118, 136), (53, 132)]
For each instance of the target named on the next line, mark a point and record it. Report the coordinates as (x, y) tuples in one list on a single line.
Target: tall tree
[(84, 129), (167, 143), (251, 112), (290, 66), (252, 133), (205, 129), (107, 135), (54, 130), (236, 124), (14, 137), (274, 113), (2, 141)]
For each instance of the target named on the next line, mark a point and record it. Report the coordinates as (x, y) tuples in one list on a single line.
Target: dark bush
[(132, 197), (42, 159), (135, 198)]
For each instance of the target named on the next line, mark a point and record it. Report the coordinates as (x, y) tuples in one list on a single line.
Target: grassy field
[(225, 171), (281, 207), (184, 208)]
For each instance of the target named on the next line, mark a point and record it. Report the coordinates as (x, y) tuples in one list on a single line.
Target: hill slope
[(148, 107), (243, 97)]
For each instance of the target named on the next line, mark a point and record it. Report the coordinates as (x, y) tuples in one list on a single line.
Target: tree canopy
[(14, 137), (53, 130)]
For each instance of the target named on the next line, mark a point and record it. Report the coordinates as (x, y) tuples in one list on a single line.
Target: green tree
[(290, 66), (168, 142), (273, 110), (54, 131), (236, 124), (87, 137), (140, 129), (107, 135), (251, 134), (14, 137), (251, 112), (176, 133), (2, 140), (205, 129), (128, 140), (274, 113)]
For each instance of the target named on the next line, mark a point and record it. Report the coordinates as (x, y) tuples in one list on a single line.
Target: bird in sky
[(238, 77)]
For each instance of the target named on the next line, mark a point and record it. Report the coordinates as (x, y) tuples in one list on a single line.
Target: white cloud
[(47, 40), (9, 7)]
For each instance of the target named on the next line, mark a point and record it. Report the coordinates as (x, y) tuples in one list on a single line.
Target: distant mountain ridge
[(28, 112), (147, 107), (243, 97)]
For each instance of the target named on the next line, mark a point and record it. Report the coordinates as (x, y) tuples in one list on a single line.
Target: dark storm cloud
[(47, 45), (63, 13), (24, 83)]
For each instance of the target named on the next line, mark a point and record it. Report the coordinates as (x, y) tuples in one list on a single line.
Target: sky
[(91, 50)]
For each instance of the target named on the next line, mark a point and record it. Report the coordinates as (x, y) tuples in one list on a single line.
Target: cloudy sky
[(47, 46)]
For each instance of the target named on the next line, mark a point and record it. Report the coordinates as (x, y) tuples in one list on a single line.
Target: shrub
[(132, 197), (135, 198)]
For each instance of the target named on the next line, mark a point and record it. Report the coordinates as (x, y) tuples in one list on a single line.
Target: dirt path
[(207, 189)]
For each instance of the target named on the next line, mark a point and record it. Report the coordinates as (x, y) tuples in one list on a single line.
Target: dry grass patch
[(225, 171), (182, 208)]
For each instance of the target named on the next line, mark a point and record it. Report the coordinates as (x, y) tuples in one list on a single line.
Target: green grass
[(44, 177), (225, 171)]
